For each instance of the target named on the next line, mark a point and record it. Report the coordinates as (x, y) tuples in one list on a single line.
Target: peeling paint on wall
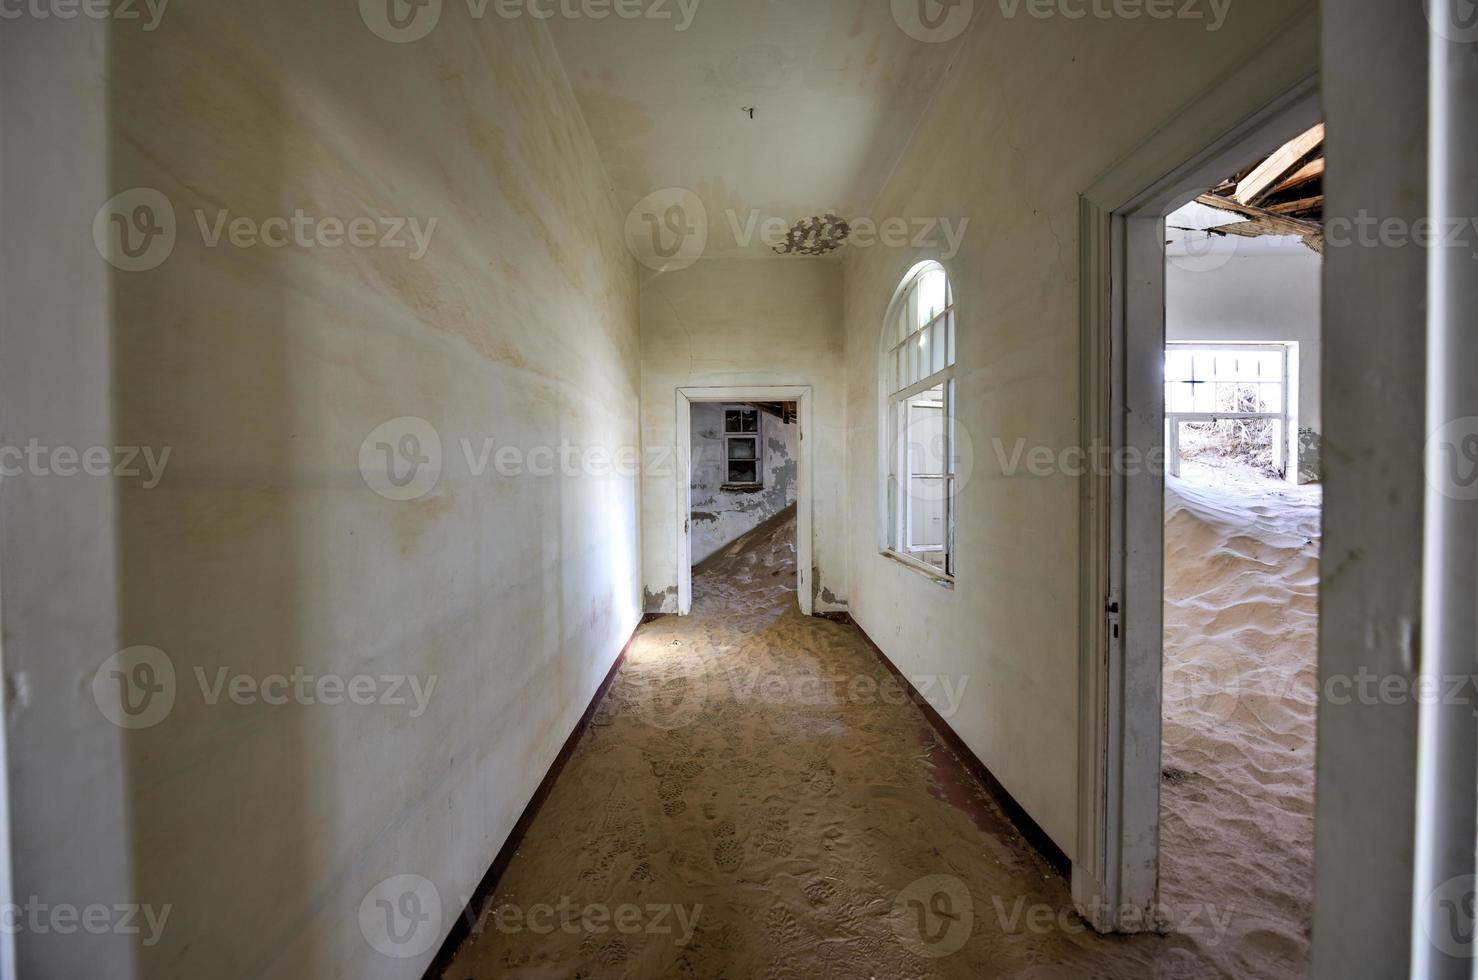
[(720, 515), (1310, 466)]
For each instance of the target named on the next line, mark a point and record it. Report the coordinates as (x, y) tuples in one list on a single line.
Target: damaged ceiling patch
[(815, 236)]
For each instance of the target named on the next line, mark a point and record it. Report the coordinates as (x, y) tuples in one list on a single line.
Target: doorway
[(1116, 873), (1243, 532), (740, 408)]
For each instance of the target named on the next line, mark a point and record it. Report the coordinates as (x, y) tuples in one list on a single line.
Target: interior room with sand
[(668, 488)]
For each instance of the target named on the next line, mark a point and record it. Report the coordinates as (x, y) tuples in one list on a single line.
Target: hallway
[(759, 794), (391, 387)]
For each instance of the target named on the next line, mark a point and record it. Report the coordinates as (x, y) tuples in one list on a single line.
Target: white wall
[(1032, 112), (1375, 98), (66, 766), (742, 322), (1250, 290), (264, 551), (718, 515)]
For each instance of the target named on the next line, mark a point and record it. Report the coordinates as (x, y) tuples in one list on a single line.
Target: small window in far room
[(920, 462), (742, 447)]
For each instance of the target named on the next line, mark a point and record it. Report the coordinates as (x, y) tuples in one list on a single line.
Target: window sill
[(923, 568), (742, 487)]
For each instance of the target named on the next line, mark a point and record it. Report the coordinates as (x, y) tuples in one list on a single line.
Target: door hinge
[(1115, 619)]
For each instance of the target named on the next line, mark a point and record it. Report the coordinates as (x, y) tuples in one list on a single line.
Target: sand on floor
[(755, 798), (1240, 683)]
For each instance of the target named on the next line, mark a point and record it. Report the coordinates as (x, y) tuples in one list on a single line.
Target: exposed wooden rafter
[(1250, 188)]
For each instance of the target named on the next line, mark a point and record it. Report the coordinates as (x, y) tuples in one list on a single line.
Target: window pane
[(740, 472), (932, 290), (923, 451), (954, 447), (742, 449), (937, 346), (950, 355), (751, 421)]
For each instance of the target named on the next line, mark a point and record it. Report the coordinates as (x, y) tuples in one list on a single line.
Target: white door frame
[(801, 395), (1253, 111)]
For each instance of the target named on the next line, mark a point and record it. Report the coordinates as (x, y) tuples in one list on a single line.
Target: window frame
[(1283, 418), (894, 473), (730, 437)]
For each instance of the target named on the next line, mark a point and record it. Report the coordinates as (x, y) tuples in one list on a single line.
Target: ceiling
[(836, 89)]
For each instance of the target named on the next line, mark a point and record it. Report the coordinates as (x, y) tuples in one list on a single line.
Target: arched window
[(919, 433)]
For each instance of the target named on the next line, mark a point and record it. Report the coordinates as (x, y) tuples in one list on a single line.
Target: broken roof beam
[(1309, 172), (1315, 204), (1261, 222), (1251, 187)]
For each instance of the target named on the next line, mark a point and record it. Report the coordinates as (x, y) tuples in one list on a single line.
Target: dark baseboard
[(1015, 812), (462, 928)]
